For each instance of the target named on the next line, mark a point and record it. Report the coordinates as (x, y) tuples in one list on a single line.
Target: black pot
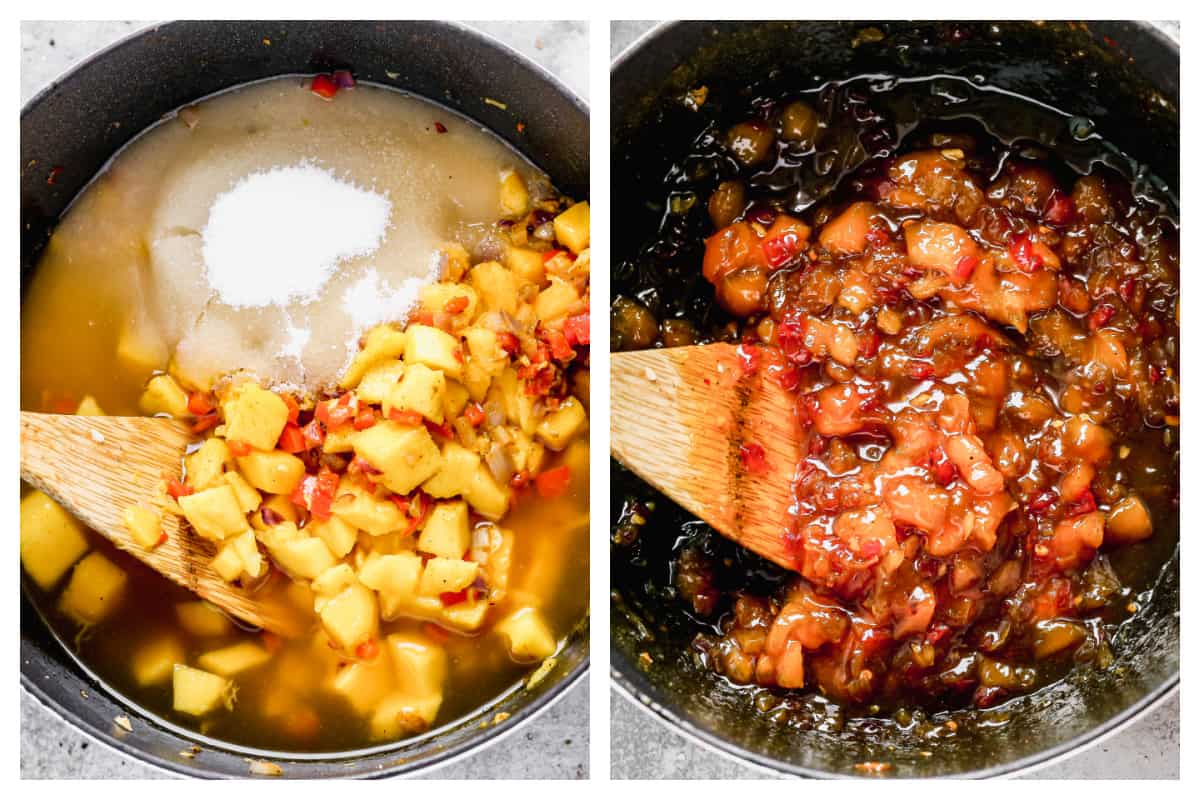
[(77, 124), (1123, 76)]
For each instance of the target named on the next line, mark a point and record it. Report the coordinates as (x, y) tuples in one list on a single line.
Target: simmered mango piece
[(144, 525), (304, 557), (407, 455), (197, 692), (51, 539), (573, 227), (96, 589), (485, 494), (331, 582), (337, 534), (272, 471), (255, 416), (556, 301), (467, 616), (350, 617), (229, 661), (154, 661), (202, 619), (227, 563), (392, 575), (454, 476), (434, 348), (140, 349), (442, 575), (483, 345), (206, 466), (381, 343), (529, 266), (280, 506), (456, 299), (364, 683), (248, 498), (378, 381), (214, 513), (340, 439), (239, 556), (514, 196), (447, 531), (497, 287), (559, 427), (420, 664), (529, 638), (422, 390), (358, 506), (88, 407), (164, 396), (456, 399), (400, 715)]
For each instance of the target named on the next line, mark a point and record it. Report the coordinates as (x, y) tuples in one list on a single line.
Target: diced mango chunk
[(88, 407), (420, 664), (401, 715), (514, 197), (381, 343), (456, 299), (358, 506), (364, 683), (51, 539), (443, 575), (573, 227), (559, 427), (350, 617), (96, 589), (305, 557), (206, 466), (255, 416), (527, 265), (556, 301), (447, 531), (202, 619), (141, 350), (163, 395), (528, 636), (337, 534), (274, 471), (378, 381), (197, 692), (144, 525), (247, 496), (407, 455), (434, 348), (154, 661), (497, 287), (236, 658), (422, 390), (214, 513)]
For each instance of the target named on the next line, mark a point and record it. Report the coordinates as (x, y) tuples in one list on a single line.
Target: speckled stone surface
[(642, 748), (555, 745)]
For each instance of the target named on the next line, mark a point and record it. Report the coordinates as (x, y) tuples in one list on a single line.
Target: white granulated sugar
[(371, 299), (278, 236)]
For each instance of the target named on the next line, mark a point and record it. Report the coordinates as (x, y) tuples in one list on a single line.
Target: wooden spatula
[(96, 467), (680, 419)]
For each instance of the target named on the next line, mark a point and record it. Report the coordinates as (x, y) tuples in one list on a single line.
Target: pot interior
[(72, 129), (1125, 79)]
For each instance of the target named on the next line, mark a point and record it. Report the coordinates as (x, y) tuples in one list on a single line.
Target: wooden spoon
[(96, 467), (680, 417)]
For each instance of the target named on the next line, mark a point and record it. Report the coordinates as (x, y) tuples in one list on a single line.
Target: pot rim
[(627, 687), (437, 759)]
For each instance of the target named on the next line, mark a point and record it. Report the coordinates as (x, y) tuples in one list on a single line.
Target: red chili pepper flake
[(549, 255), (509, 342), (200, 403), (788, 377), (162, 539), (749, 358), (943, 469), (1100, 388), (965, 268), (439, 127), (790, 338), (987, 696), (879, 236), (553, 482), (314, 434), (365, 419), (405, 417), (782, 249), (293, 408), (1023, 255), (1060, 209), (367, 650), (316, 493), (920, 370), (1101, 316), (453, 598), (578, 329), (1042, 501), (753, 458), (474, 414), (520, 127), (178, 489), (324, 87), (560, 348), (443, 430), (457, 305), (205, 422), (1155, 373), (291, 440)]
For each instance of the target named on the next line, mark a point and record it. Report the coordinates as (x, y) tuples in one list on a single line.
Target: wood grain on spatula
[(96, 467), (680, 417)]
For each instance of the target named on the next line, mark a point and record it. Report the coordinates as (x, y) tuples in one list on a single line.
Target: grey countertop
[(555, 745), (641, 748)]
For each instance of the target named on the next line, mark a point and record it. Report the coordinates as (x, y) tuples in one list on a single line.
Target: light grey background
[(643, 748), (555, 745)]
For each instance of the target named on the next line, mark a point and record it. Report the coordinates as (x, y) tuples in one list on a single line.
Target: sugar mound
[(278, 236)]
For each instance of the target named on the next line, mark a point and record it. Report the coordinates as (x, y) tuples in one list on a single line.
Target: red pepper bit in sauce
[(439, 127), (324, 87), (753, 458)]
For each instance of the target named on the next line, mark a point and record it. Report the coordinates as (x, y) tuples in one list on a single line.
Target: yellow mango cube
[(144, 526), (434, 348), (422, 390), (305, 557), (527, 635), (497, 287), (340, 439), (396, 575), (364, 684), (357, 505), (337, 534), (483, 345), (445, 297), (559, 427), (197, 692), (255, 416), (420, 664), (573, 227), (214, 513), (443, 575), (229, 661), (467, 616), (381, 343), (401, 715), (556, 301), (96, 589), (527, 265), (514, 197), (154, 661), (455, 473), (407, 455), (456, 398), (272, 471), (163, 395), (447, 531), (51, 540), (281, 505), (378, 381), (88, 407), (141, 350), (202, 619), (248, 497), (350, 617), (485, 494), (206, 466)]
